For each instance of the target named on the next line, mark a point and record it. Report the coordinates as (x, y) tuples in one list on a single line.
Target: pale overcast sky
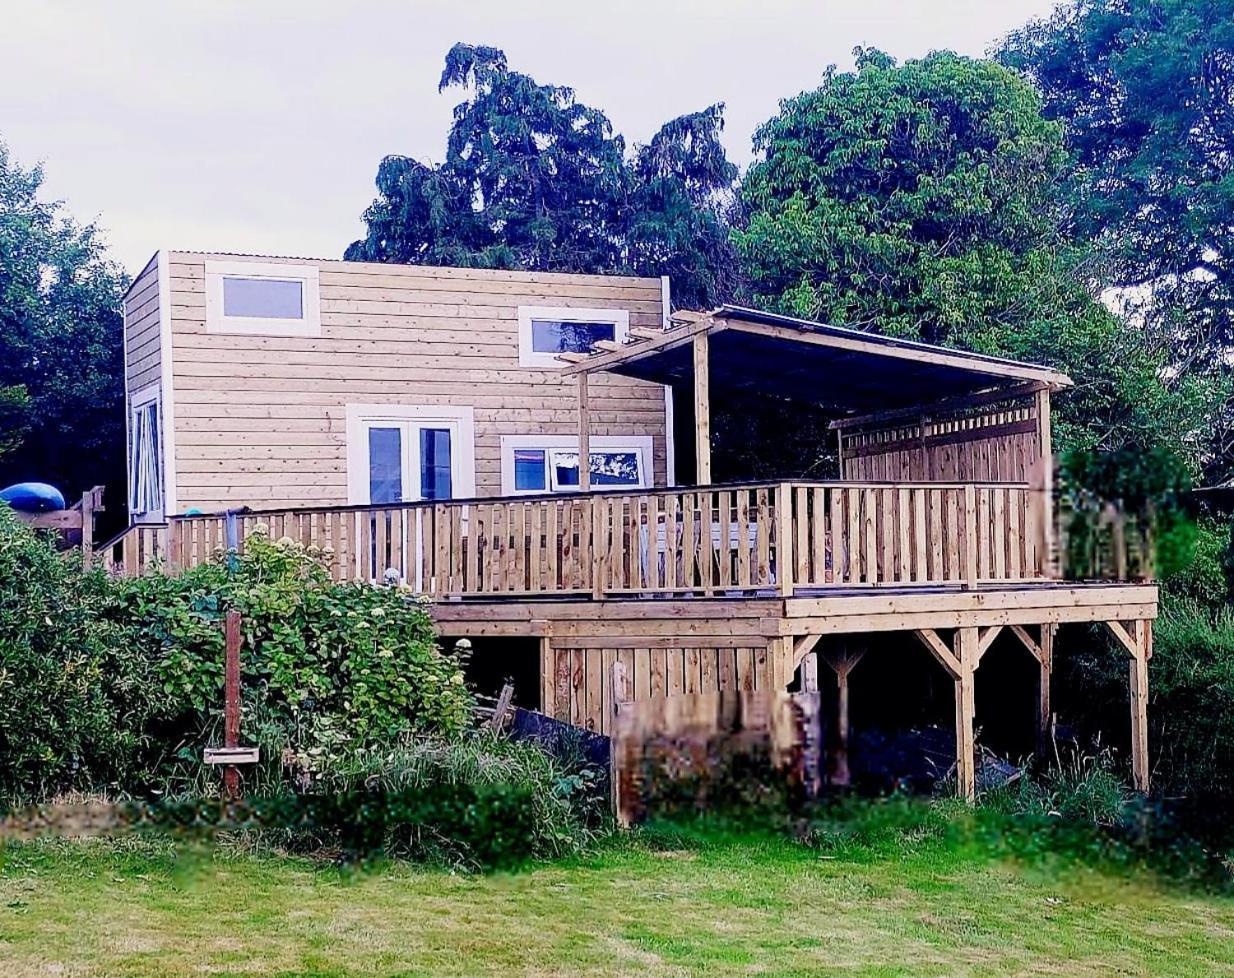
[(258, 126)]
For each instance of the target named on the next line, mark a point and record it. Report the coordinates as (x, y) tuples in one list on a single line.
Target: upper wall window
[(543, 332), (262, 298)]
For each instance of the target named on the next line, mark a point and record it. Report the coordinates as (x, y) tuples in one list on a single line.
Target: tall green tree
[(923, 200), (1144, 90), (61, 344), (533, 179)]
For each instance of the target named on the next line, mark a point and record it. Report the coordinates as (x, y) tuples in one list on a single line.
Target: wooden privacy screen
[(577, 682), (716, 541), (986, 441)]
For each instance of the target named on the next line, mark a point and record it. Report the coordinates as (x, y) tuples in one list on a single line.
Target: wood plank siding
[(142, 347), (262, 420)]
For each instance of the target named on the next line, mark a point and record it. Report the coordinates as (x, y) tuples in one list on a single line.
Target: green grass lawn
[(722, 907)]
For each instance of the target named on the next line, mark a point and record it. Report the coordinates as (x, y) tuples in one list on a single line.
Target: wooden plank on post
[(702, 410), (584, 435), (231, 700)]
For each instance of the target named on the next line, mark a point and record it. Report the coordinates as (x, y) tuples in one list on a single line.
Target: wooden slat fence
[(715, 540)]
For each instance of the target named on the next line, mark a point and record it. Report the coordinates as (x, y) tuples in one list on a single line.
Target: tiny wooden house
[(502, 443)]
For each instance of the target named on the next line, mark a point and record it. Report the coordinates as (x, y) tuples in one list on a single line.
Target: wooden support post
[(1138, 683), (1045, 664), (842, 662), (785, 571), (966, 759), (584, 435), (809, 673), (702, 410), (87, 529), (618, 693), (1138, 641), (231, 702)]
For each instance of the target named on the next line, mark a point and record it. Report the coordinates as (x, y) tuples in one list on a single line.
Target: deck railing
[(780, 537)]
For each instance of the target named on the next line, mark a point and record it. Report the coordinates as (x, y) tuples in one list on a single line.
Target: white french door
[(408, 454), (404, 455)]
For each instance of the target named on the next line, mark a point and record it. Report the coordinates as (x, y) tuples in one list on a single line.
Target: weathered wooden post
[(231, 754)]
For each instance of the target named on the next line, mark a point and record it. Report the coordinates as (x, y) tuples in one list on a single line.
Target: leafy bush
[(328, 668), (68, 678), (117, 683), (1205, 577)]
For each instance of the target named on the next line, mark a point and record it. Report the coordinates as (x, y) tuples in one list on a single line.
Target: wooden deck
[(710, 588)]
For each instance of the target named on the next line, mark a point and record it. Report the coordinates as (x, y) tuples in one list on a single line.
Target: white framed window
[(545, 331), (262, 298), (549, 463), (146, 454), (404, 453)]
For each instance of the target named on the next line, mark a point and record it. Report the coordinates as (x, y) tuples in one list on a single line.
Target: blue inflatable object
[(33, 497)]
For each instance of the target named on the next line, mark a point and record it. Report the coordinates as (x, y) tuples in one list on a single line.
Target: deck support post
[(1045, 665), (702, 410), (842, 662), (1043, 652), (1138, 641), (965, 706), (584, 435)]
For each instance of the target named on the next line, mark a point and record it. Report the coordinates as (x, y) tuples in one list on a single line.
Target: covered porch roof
[(798, 359)]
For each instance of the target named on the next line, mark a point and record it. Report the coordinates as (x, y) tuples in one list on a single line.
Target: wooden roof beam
[(930, 356), (665, 340)]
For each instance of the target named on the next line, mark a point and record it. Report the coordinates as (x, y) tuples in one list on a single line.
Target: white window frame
[(217, 322), (460, 421), (140, 401), (528, 357), (641, 445)]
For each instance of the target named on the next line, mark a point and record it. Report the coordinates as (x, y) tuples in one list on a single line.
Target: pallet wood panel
[(582, 692)]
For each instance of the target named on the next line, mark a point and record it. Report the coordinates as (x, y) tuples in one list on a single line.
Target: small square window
[(262, 298), (529, 474), (544, 332)]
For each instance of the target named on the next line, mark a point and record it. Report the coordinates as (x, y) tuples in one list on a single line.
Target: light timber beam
[(584, 435), (1033, 647), (986, 638), (929, 638), (702, 409), (803, 646), (1119, 631)]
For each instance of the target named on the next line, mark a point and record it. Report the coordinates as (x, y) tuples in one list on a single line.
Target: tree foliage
[(61, 343), (1145, 92), (534, 179), (923, 200)]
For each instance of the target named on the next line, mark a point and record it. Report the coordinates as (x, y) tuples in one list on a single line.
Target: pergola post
[(702, 410), (1045, 480), (584, 435)]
